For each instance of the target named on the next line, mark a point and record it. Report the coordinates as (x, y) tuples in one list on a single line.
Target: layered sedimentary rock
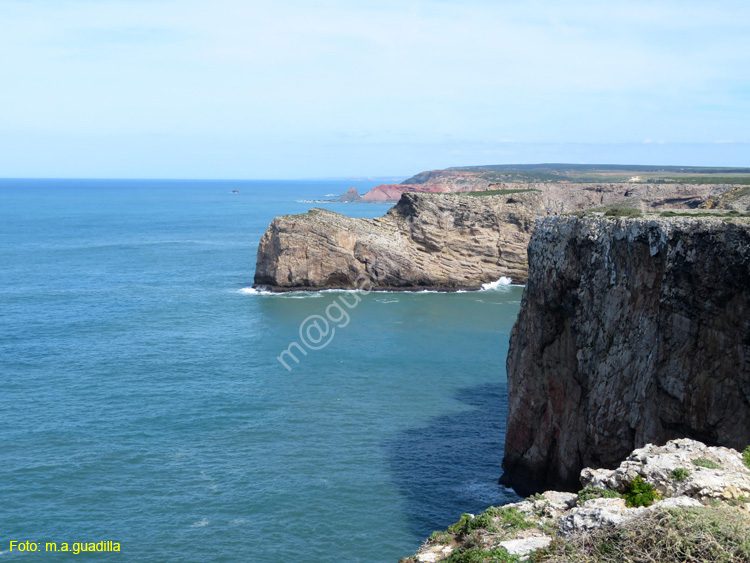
[(630, 331), (561, 196), (444, 242)]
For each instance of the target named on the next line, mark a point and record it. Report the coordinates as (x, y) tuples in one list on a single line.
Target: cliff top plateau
[(484, 178)]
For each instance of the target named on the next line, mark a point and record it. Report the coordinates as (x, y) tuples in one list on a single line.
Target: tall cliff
[(631, 331), (436, 241)]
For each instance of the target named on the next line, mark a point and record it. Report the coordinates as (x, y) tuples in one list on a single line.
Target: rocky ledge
[(683, 501), (427, 241), (631, 331)]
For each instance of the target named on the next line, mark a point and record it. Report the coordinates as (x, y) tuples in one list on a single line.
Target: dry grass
[(696, 535)]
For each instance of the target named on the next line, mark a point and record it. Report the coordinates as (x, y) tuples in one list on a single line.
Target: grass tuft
[(595, 492), (479, 555), (707, 463)]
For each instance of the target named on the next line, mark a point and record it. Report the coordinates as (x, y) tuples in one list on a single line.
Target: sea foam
[(499, 284)]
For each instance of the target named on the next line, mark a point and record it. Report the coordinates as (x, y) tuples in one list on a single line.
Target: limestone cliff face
[(435, 241), (631, 331)]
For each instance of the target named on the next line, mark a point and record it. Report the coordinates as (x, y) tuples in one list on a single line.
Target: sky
[(288, 89)]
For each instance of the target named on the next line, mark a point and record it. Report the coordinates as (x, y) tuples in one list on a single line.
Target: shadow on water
[(451, 466)]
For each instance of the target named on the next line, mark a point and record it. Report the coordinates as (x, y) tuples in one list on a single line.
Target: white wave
[(200, 523), (501, 283), (254, 291), (330, 195)]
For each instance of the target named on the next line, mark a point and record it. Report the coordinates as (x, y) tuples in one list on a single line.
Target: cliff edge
[(631, 331)]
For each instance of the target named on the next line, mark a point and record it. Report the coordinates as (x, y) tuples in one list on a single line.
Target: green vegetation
[(536, 496), (694, 535), (739, 501), (479, 555), (707, 463), (639, 493), (680, 474), (497, 192), (440, 537), (731, 213), (622, 211), (590, 173), (746, 457), (510, 520), (595, 492), (705, 179)]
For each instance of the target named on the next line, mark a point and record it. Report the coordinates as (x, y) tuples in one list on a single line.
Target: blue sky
[(300, 89)]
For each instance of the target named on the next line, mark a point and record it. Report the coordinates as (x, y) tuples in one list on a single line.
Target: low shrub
[(622, 211), (680, 474), (440, 537), (639, 493), (478, 555), (746, 457)]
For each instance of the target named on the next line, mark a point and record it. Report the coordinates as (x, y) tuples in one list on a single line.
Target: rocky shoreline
[(652, 493)]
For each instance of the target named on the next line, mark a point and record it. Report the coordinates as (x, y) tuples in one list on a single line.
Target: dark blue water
[(143, 402)]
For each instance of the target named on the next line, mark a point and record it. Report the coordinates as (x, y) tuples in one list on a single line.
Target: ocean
[(144, 401)]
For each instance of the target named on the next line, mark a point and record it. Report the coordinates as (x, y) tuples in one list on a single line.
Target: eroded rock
[(631, 331), (443, 242)]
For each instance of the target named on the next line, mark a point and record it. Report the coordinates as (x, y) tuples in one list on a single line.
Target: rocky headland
[(427, 241), (631, 331), (445, 241), (683, 501)]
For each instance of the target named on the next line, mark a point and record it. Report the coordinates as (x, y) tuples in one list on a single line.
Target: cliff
[(580, 189), (443, 242), (683, 501), (630, 331)]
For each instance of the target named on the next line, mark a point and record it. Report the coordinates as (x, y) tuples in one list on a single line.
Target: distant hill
[(588, 173)]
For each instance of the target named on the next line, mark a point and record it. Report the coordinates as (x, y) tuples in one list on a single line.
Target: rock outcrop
[(350, 195), (631, 331), (443, 242), (433, 240), (558, 196), (686, 481)]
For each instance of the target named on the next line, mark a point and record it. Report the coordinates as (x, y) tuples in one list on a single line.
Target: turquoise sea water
[(143, 402)]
